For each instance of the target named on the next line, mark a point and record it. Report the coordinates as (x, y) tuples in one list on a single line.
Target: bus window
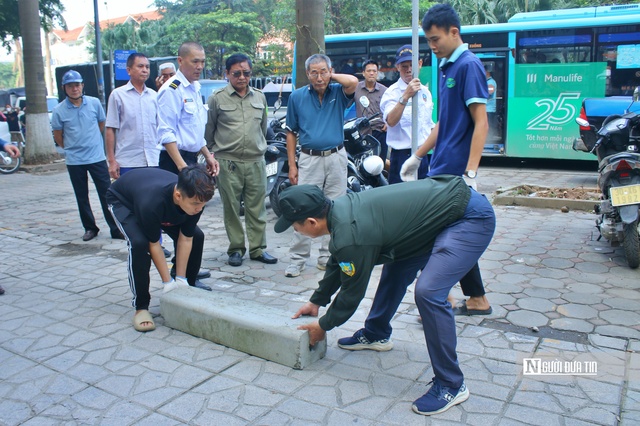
[(345, 55), (619, 48), (554, 46)]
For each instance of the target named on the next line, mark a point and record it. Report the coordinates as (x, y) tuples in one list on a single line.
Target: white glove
[(470, 182), (173, 284), (409, 170)]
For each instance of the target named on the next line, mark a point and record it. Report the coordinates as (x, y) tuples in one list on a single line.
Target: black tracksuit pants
[(139, 261)]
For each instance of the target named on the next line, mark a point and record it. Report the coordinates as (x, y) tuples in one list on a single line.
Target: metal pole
[(415, 47), (100, 75)]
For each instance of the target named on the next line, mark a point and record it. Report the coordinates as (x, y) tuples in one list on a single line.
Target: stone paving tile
[(70, 356)]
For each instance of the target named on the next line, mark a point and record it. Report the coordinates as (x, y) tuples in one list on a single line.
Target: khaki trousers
[(246, 181)]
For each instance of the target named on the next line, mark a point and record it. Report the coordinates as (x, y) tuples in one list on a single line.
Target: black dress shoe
[(89, 235), (203, 273), (201, 285), (117, 235), (265, 258), (235, 259)]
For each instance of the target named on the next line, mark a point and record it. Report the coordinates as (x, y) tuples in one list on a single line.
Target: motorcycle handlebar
[(597, 144)]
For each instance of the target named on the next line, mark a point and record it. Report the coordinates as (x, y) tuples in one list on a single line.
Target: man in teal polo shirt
[(315, 120)]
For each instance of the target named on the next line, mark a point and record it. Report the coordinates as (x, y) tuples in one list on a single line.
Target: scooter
[(277, 159), (364, 166), (9, 164), (618, 152)]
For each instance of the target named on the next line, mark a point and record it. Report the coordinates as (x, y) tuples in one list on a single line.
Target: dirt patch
[(592, 194)]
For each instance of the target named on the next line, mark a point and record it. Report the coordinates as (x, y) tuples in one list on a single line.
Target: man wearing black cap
[(437, 221), (396, 105)]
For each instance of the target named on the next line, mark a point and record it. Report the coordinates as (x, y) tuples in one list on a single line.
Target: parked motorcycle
[(364, 167), (618, 151), (9, 164)]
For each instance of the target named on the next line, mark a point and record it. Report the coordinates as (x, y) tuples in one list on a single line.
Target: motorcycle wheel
[(631, 244), (8, 164), (274, 196)]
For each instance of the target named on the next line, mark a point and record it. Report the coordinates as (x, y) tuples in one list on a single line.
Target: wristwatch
[(471, 174), (401, 101)]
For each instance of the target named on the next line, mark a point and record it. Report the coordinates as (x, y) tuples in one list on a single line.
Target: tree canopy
[(50, 15), (227, 26)]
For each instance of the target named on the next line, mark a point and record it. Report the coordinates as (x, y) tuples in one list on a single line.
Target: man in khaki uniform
[(235, 132)]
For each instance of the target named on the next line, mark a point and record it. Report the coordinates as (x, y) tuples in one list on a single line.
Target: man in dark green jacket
[(439, 221)]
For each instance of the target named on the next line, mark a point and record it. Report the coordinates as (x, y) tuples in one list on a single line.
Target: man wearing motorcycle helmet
[(78, 123)]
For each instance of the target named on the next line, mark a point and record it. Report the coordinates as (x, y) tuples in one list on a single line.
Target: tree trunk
[(39, 147), (309, 35)]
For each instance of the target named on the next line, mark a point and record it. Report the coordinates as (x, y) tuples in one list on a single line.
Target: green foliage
[(7, 76), (221, 33), (50, 14), (150, 37)]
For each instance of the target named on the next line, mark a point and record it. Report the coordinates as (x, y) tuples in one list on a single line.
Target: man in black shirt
[(147, 200)]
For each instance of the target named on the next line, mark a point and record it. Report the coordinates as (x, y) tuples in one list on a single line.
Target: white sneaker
[(294, 270), (322, 263)]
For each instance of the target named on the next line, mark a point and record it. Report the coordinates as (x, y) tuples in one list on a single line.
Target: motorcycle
[(618, 150), (364, 166), (9, 164)]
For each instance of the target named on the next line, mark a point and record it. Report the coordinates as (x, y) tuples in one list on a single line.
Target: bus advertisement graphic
[(547, 100)]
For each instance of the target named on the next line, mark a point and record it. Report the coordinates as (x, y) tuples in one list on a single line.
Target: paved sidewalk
[(69, 355)]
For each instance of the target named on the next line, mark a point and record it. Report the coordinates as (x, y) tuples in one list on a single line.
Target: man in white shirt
[(183, 115), (132, 121), (396, 104)]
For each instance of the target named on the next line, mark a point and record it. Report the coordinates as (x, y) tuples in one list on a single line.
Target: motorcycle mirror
[(277, 104), (636, 94), (582, 122)]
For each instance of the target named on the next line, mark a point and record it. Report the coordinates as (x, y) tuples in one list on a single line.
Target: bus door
[(495, 66)]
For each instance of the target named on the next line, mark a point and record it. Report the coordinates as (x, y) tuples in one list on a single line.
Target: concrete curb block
[(544, 203), (244, 325)]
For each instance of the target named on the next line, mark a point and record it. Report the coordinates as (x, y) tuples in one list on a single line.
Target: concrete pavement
[(69, 355)]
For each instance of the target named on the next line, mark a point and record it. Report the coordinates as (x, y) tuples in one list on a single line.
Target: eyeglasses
[(315, 74), (237, 74)]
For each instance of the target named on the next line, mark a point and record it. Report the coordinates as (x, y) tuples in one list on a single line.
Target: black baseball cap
[(404, 54), (299, 202)]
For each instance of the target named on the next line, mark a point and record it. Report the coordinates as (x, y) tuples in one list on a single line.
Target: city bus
[(544, 64)]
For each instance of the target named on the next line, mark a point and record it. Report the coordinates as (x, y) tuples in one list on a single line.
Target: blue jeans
[(455, 251)]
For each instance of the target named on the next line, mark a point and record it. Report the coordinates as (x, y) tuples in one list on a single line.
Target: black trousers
[(165, 162), (471, 283), (139, 261), (79, 180), (382, 138), (397, 159)]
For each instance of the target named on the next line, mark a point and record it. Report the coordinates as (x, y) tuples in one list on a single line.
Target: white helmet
[(373, 165)]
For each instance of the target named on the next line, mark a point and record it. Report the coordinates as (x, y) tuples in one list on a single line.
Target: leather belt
[(318, 153)]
